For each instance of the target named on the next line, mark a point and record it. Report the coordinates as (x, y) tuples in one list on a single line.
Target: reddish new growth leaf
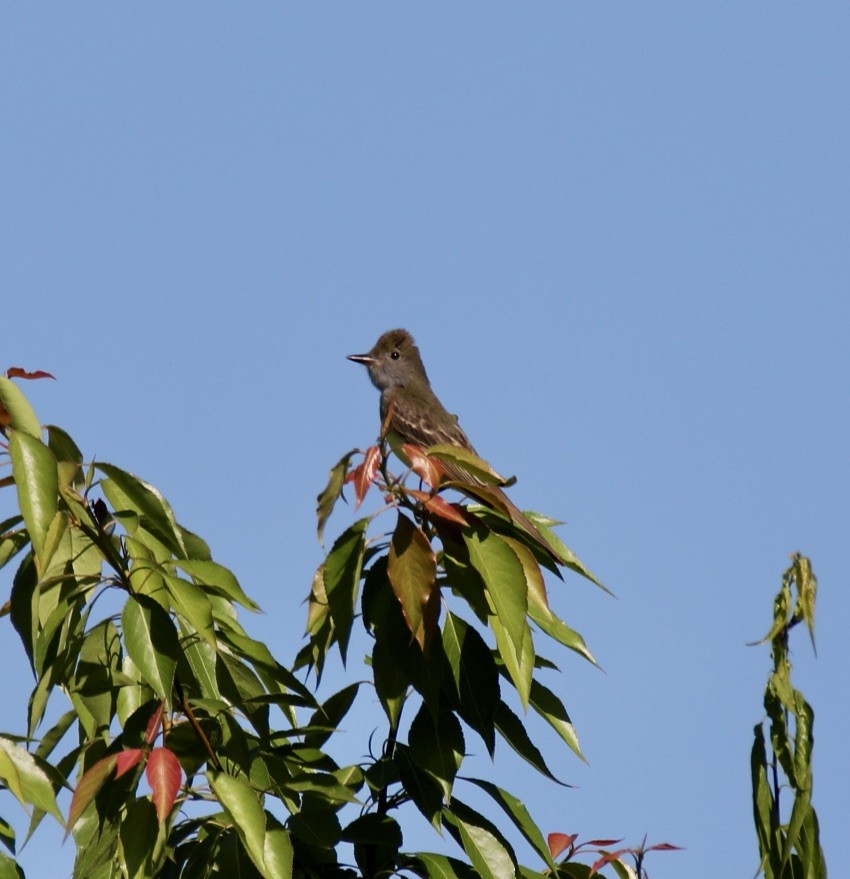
[(165, 777), (154, 724), (429, 470), (127, 759), (17, 372), (91, 782), (364, 475), (639, 851), (560, 842), (436, 505)]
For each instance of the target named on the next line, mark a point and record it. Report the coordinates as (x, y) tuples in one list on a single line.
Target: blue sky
[(619, 233)]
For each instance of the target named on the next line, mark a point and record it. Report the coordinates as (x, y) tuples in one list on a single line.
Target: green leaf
[(139, 834), (437, 747), (329, 715), (36, 479), (468, 462), (558, 630), (26, 779), (391, 682), (190, 602), (517, 812), (552, 710), (265, 840), (504, 580), (377, 840), (568, 557), (9, 869), (342, 579), (412, 572), (68, 457), (520, 666), (437, 866), (151, 641), (511, 729), (331, 493), (126, 491), (475, 677), (423, 790), (11, 541), (16, 404), (218, 579), (486, 848)]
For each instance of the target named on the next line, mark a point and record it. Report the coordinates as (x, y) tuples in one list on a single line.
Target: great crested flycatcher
[(418, 417)]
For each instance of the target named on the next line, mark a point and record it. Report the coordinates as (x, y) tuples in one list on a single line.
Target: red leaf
[(154, 724), (17, 372), (436, 505), (611, 856), (664, 847), (127, 759), (365, 474), (602, 843), (429, 470), (560, 842), (165, 777), (87, 788)]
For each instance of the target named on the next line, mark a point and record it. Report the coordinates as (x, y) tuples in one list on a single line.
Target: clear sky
[(620, 235)]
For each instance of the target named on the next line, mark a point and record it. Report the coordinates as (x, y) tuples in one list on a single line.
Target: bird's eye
[(395, 355)]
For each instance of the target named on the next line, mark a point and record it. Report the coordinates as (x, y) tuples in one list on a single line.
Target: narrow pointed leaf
[(504, 580), (342, 579), (488, 852), (552, 710), (329, 496), (215, 578), (511, 728), (515, 810)]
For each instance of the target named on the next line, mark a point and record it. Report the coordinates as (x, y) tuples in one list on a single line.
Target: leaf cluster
[(782, 758)]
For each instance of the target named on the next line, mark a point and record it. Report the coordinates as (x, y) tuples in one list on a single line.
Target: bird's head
[(393, 362)]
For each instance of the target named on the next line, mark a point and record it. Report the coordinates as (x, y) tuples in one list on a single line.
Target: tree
[(127, 620), (123, 611)]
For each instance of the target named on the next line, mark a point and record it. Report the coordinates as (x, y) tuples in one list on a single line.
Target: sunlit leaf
[(364, 475), (36, 479), (18, 413), (428, 469), (216, 578), (488, 851), (504, 580), (521, 819), (552, 710), (468, 462)]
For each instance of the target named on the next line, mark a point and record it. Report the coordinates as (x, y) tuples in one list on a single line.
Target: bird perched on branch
[(411, 409)]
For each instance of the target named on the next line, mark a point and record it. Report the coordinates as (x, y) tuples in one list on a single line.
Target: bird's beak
[(365, 359)]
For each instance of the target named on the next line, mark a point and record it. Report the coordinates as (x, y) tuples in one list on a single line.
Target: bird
[(410, 409)]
